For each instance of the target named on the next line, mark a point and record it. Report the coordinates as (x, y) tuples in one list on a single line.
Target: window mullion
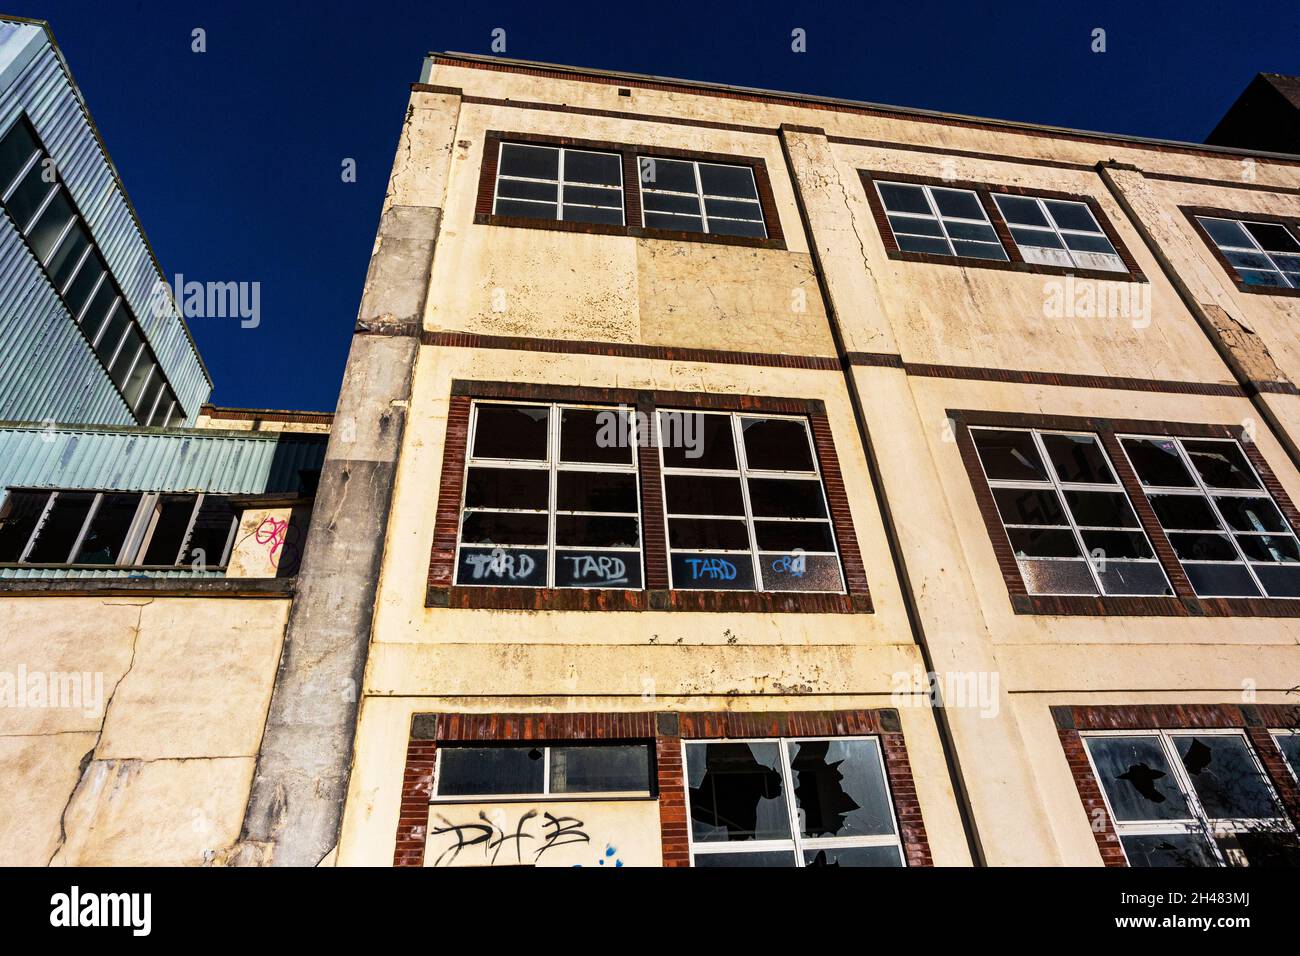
[(699, 196), (559, 187), (742, 465), (787, 774), (1055, 479), (553, 452)]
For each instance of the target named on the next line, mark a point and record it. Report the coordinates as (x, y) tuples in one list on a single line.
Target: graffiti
[(492, 836), (610, 856), (604, 568), (501, 564), (794, 564), (281, 542), (714, 569)]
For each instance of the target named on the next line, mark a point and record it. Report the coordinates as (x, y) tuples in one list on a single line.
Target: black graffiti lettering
[(566, 830)]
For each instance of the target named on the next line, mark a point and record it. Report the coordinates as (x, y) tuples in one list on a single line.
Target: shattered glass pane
[(1169, 849), (1157, 462), (736, 793), (1137, 778), (1228, 782), (1221, 464), (839, 788), (853, 856)]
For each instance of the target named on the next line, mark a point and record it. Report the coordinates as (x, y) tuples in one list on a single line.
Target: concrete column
[(296, 805)]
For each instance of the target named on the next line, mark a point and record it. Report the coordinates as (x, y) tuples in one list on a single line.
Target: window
[(1261, 253), (1288, 741), (591, 770), (690, 196), (1228, 533), (745, 505), (1056, 232), (116, 529), (551, 498), (1068, 519), (790, 802), (940, 221), (550, 182), (1190, 798), (42, 210)]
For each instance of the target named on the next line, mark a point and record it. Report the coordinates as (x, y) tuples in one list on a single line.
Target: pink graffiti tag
[(275, 532)]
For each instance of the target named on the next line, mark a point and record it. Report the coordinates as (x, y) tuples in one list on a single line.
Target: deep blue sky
[(233, 156)]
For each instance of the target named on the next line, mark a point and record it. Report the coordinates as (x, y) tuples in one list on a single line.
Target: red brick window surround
[(824, 584), (637, 167), (1161, 755), (1013, 229), (666, 731), (1156, 526), (1266, 247)]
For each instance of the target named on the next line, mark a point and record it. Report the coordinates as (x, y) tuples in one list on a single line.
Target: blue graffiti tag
[(795, 564), (715, 569)]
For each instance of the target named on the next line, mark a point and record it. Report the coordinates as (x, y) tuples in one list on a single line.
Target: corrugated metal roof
[(41, 86), (141, 459)]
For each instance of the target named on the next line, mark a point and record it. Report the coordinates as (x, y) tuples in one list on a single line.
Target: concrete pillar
[(296, 805)]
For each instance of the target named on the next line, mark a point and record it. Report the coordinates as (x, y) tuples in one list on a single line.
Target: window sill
[(1104, 606), (471, 799), (1265, 290), (636, 232), (1032, 268), (578, 599)]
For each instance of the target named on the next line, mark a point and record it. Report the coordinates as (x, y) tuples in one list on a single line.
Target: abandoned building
[(720, 477)]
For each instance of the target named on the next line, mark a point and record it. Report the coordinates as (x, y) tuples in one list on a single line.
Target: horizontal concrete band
[(149, 587)]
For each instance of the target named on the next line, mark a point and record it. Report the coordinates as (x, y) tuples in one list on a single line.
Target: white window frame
[(797, 844), (545, 793), (743, 473), (1053, 228), (1255, 249), (559, 183), (1059, 487), (1204, 491), (938, 217), (552, 465), (1200, 822), (699, 195)]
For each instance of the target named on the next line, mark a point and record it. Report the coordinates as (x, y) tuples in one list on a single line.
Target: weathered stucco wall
[(144, 754)]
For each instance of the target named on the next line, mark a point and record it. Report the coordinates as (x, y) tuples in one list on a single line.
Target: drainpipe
[(887, 518)]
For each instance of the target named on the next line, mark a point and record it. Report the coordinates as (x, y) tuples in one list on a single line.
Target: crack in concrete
[(88, 757)]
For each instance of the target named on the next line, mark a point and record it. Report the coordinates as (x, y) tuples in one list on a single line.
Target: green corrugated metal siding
[(138, 459), (47, 369)]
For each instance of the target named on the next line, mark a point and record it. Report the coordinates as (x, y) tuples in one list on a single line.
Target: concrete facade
[(901, 344)]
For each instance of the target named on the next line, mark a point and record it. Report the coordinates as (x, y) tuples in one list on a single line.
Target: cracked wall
[(154, 769)]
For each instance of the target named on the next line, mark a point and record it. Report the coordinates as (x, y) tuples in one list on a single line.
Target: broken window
[(790, 802), (689, 196), (594, 770), (550, 498), (745, 504), (1066, 516), (1056, 232), (940, 221), (211, 535), (1261, 253), (41, 208), (121, 529), (549, 182), (1191, 798), (1225, 528), (19, 513)]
